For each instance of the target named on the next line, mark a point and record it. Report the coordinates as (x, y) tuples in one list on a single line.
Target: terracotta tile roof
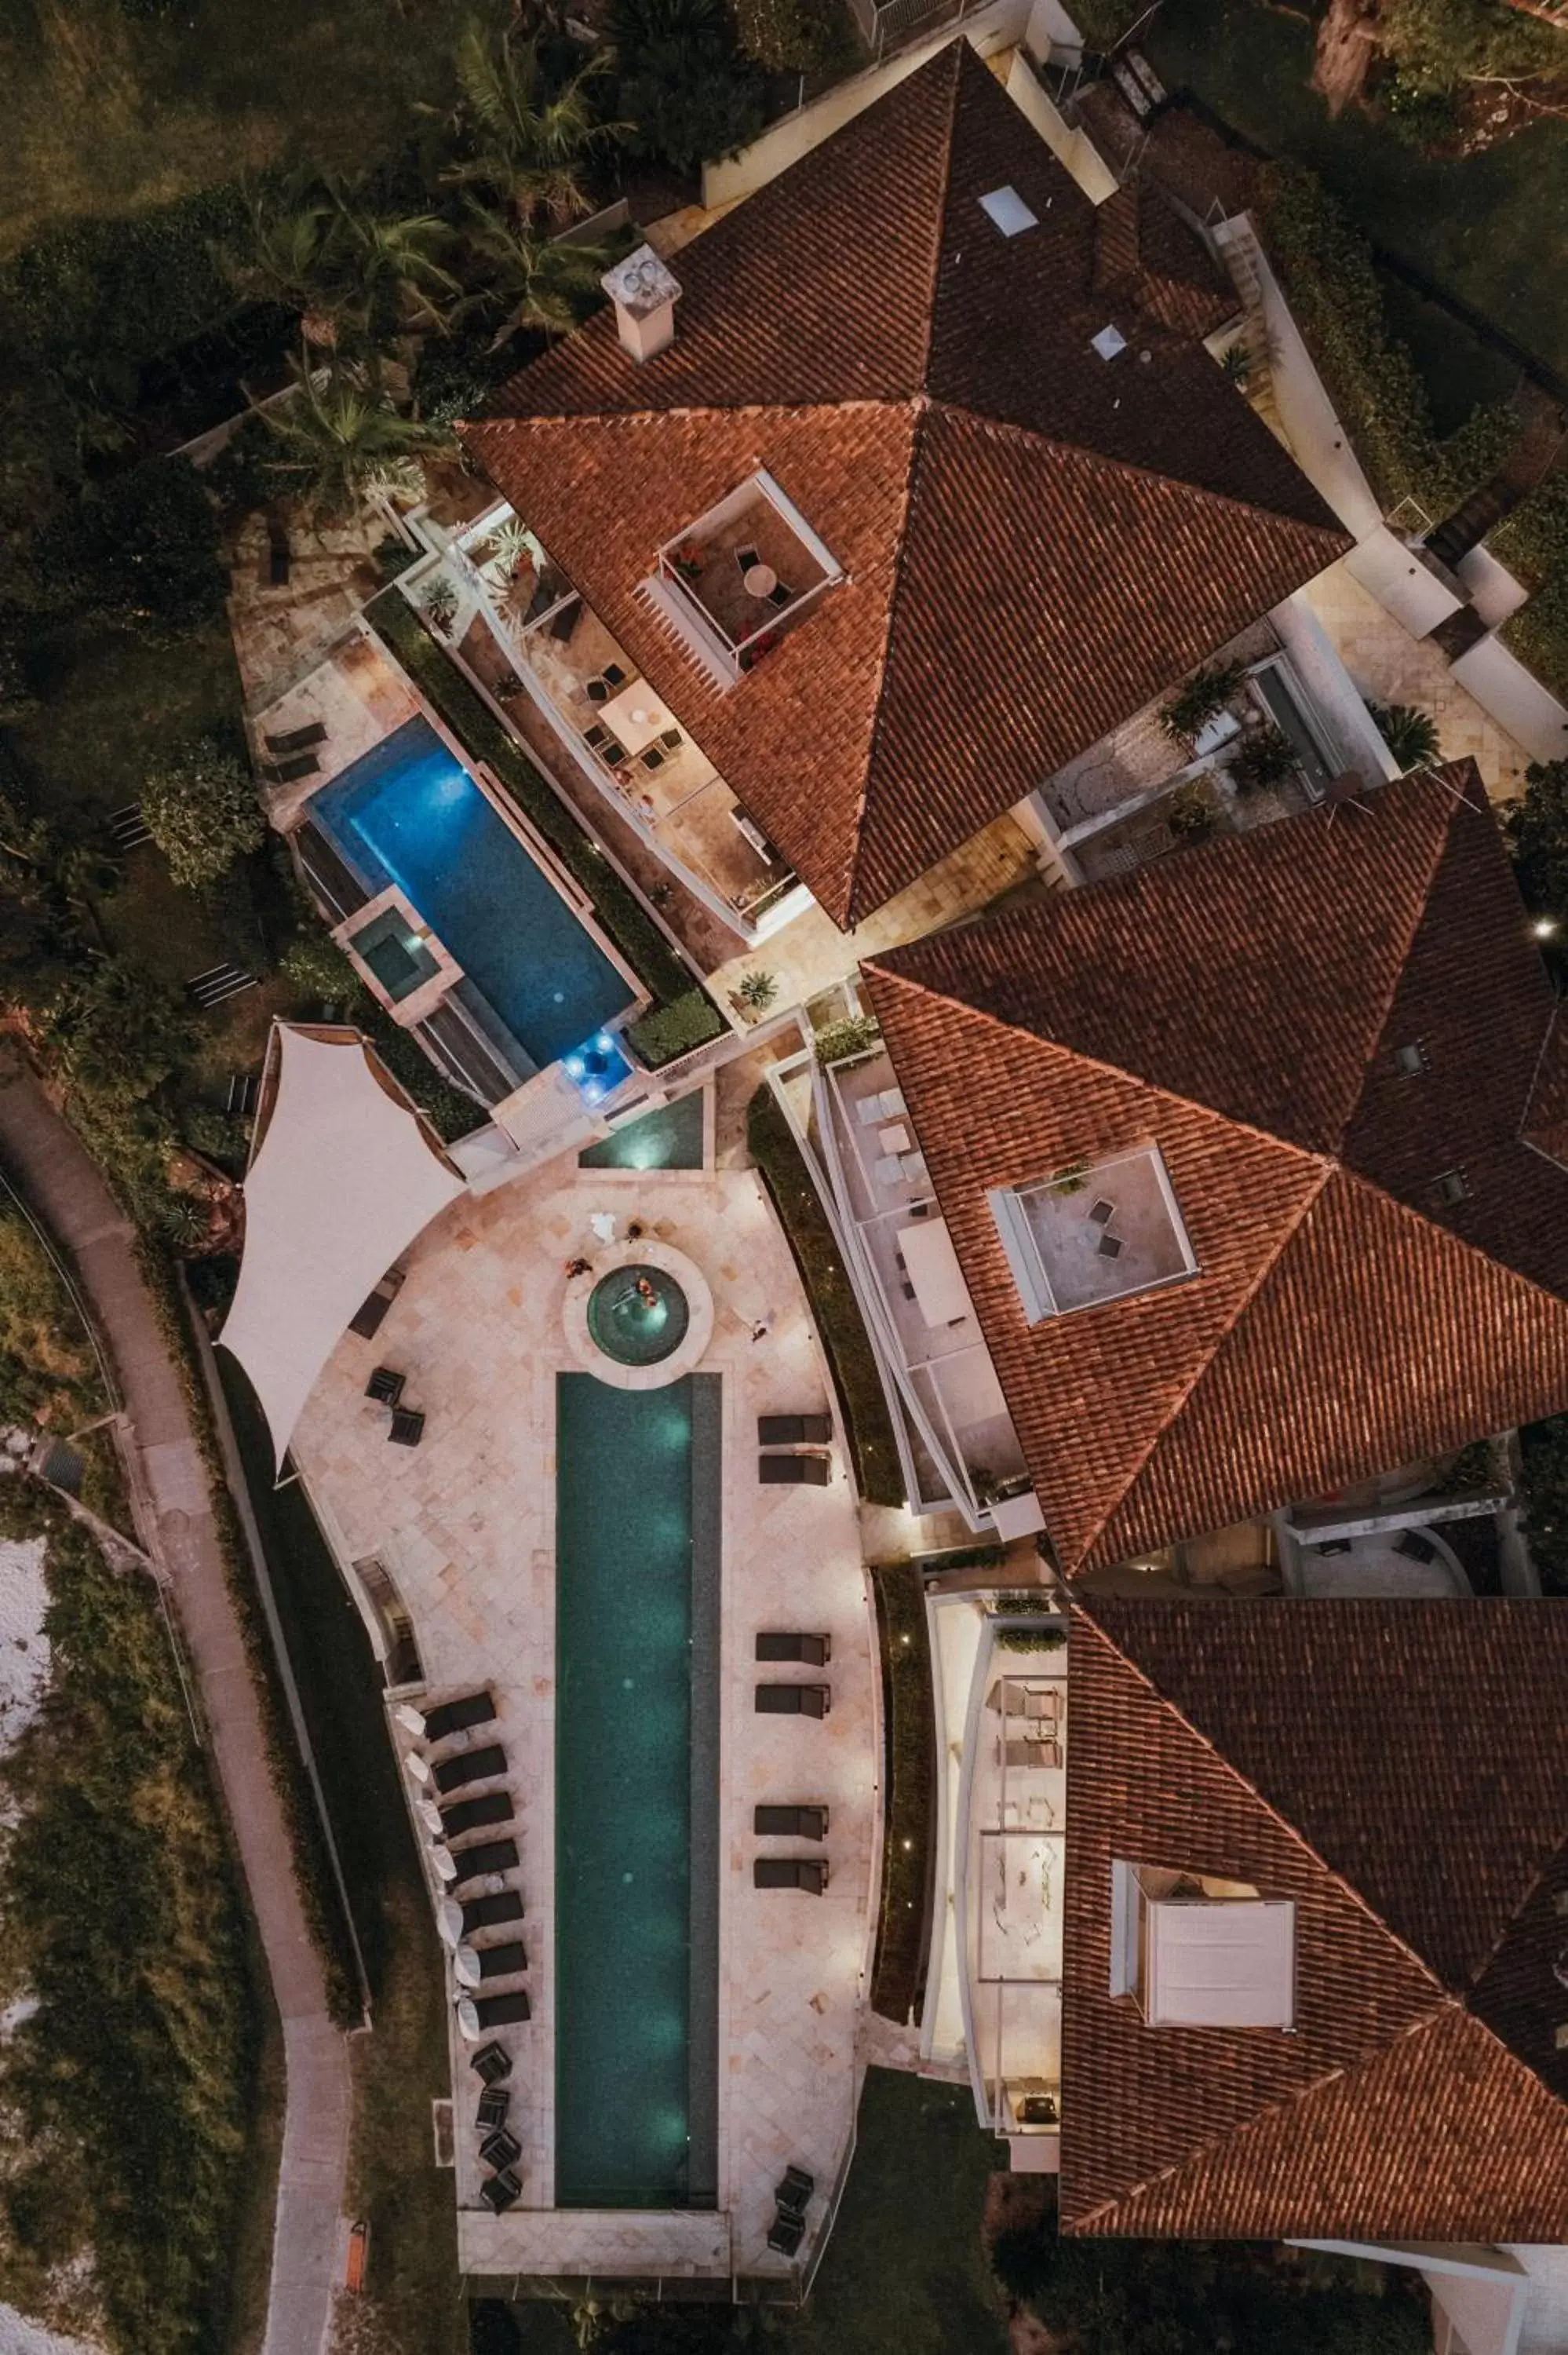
[(1240, 1006), (1036, 541), (1401, 1772)]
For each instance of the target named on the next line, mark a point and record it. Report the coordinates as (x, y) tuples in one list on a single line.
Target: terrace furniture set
[(499, 2148), (1033, 1724), (760, 580), (791, 2197), (294, 754), (795, 1431), (407, 1426), (807, 1873), (1100, 1214)]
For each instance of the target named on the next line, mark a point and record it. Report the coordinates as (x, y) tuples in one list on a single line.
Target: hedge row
[(1533, 542), (910, 1786), (691, 1018)]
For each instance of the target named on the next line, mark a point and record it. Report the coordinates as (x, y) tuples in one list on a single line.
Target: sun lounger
[(487, 1913), (367, 1318), (490, 2064), (811, 1651), (500, 2191), (289, 773), (490, 1856), (794, 1471), (490, 2111), (473, 1815), (469, 1766), (458, 1716), (789, 1823), (786, 2234), (792, 2194), (298, 740), (807, 1873), (793, 1700), (502, 2010), (500, 2149), (505, 1962), (794, 1430)]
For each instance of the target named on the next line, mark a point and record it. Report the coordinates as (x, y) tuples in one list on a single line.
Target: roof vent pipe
[(644, 293)]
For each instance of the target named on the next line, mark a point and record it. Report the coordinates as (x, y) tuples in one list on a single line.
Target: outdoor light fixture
[(1543, 927)]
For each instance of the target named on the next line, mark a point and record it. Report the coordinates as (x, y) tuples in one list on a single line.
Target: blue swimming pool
[(637, 1628), (410, 814)]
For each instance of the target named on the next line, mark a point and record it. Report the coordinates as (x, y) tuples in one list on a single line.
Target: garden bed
[(868, 1425), (908, 1791)]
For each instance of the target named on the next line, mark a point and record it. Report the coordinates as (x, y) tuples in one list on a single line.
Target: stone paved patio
[(464, 1525)]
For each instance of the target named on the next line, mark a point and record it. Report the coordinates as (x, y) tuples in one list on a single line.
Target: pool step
[(217, 982)]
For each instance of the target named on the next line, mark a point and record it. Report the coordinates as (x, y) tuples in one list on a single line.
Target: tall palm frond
[(342, 441), (530, 142), (532, 282)]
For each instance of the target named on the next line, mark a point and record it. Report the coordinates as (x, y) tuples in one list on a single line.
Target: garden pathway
[(174, 1515)]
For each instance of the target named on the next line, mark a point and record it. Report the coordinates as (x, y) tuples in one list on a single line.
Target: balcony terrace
[(749, 570)]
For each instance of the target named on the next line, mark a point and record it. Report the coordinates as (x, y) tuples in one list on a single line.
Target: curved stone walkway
[(174, 1510)]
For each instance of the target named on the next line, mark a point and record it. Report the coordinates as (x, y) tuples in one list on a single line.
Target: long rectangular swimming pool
[(637, 1605), (410, 814)]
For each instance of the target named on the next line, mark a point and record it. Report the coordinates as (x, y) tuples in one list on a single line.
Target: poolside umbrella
[(468, 2022), (416, 1767), (412, 1720), (466, 1966), (429, 1815), (344, 1177), (448, 1921), (444, 1861)]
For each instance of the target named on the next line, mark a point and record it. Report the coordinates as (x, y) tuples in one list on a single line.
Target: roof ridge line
[(939, 219), (688, 409), (1343, 2074), (921, 406), (1494, 1950), (1028, 433), (1535, 1071)]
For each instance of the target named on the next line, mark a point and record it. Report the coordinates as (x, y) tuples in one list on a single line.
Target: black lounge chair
[(458, 1716), (671, 740), (792, 2196), (289, 773), (794, 1471), (786, 2234), (502, 2010), (491, 2109), (501, 2150), (789, 1823), (490, 2064), (597, 691), (652, 758), (781, 594), (807, 1873), (279, 558), (408, 1427), (1414, 1547), (745, 559), (469, 1766), (499, 2191), (473, 1815), (298, 740), (367, 1318), (490, 1856), (614, 674), (385, 1387), (811, 1651), (794, 1430), (489, 1913), (793, 1700), (501, 1962)]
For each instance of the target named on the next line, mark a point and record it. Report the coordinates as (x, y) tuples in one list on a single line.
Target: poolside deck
[(464, 1525)]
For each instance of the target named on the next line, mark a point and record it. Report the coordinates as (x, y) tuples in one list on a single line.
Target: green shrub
[(1200, 699), (909, 1766), (1537, 831), (839, 1042), (201, 809), (1543, 1479), (669, 1031), (794, 35), (1267, 758), (1440, 46), (684, 84), (48, 1374), (1410, 735), (1192, 813), (1030, 1639)]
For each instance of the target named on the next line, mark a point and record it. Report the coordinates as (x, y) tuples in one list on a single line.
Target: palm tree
[(528, 143), (534, 282), (342, 443), (320, 249)]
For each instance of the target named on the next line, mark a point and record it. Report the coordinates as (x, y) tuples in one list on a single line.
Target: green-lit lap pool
[(637, 1604)]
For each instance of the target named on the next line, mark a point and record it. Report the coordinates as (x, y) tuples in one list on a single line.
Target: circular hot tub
[(638, 1315), (642, 1315)]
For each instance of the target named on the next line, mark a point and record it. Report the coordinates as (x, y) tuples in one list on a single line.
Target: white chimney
[(644, 293)]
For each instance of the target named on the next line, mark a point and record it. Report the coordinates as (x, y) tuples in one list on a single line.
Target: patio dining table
[(634, 717)]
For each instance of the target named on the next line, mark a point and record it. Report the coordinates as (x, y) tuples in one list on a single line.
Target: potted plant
[(439, 604), (755, 991), (1197, 700), (1267, 758), (688, 565), (1193, 813)]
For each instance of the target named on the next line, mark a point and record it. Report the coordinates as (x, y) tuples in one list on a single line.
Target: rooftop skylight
[(1007, 209), (1093, 1233), (1108, 342)]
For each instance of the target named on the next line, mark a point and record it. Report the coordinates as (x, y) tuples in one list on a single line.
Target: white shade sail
[(346, 1177)]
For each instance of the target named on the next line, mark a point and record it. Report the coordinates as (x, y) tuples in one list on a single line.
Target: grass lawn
[(906, 2273), (111, 109), (401, 2066), (1491, 228)]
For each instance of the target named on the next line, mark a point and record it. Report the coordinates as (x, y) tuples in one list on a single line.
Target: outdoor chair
[(502, 2010), (1110, 1247), (595, 736), (491, 2109), (781, 594), (385, 1387), (786, 2234), (652, 758), (289, 773), (487, 1856), (486, 1913), (791, 1700), (474, 1815), (807, 1873), (469, 1766), (794, 1430), (1100, 1213), (794, 1471), (367, 1319), (671, 740), (597, 691), (501, 1962), (490, 2064), (614, 675), (298, 740), (789, 1823), (408, 1427), (1414, 1547), (500, 2149), (450, 1717), (745, 558), (792, 2196), (613, 752), (810, 1651), (567, 620), (500, 2191)]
